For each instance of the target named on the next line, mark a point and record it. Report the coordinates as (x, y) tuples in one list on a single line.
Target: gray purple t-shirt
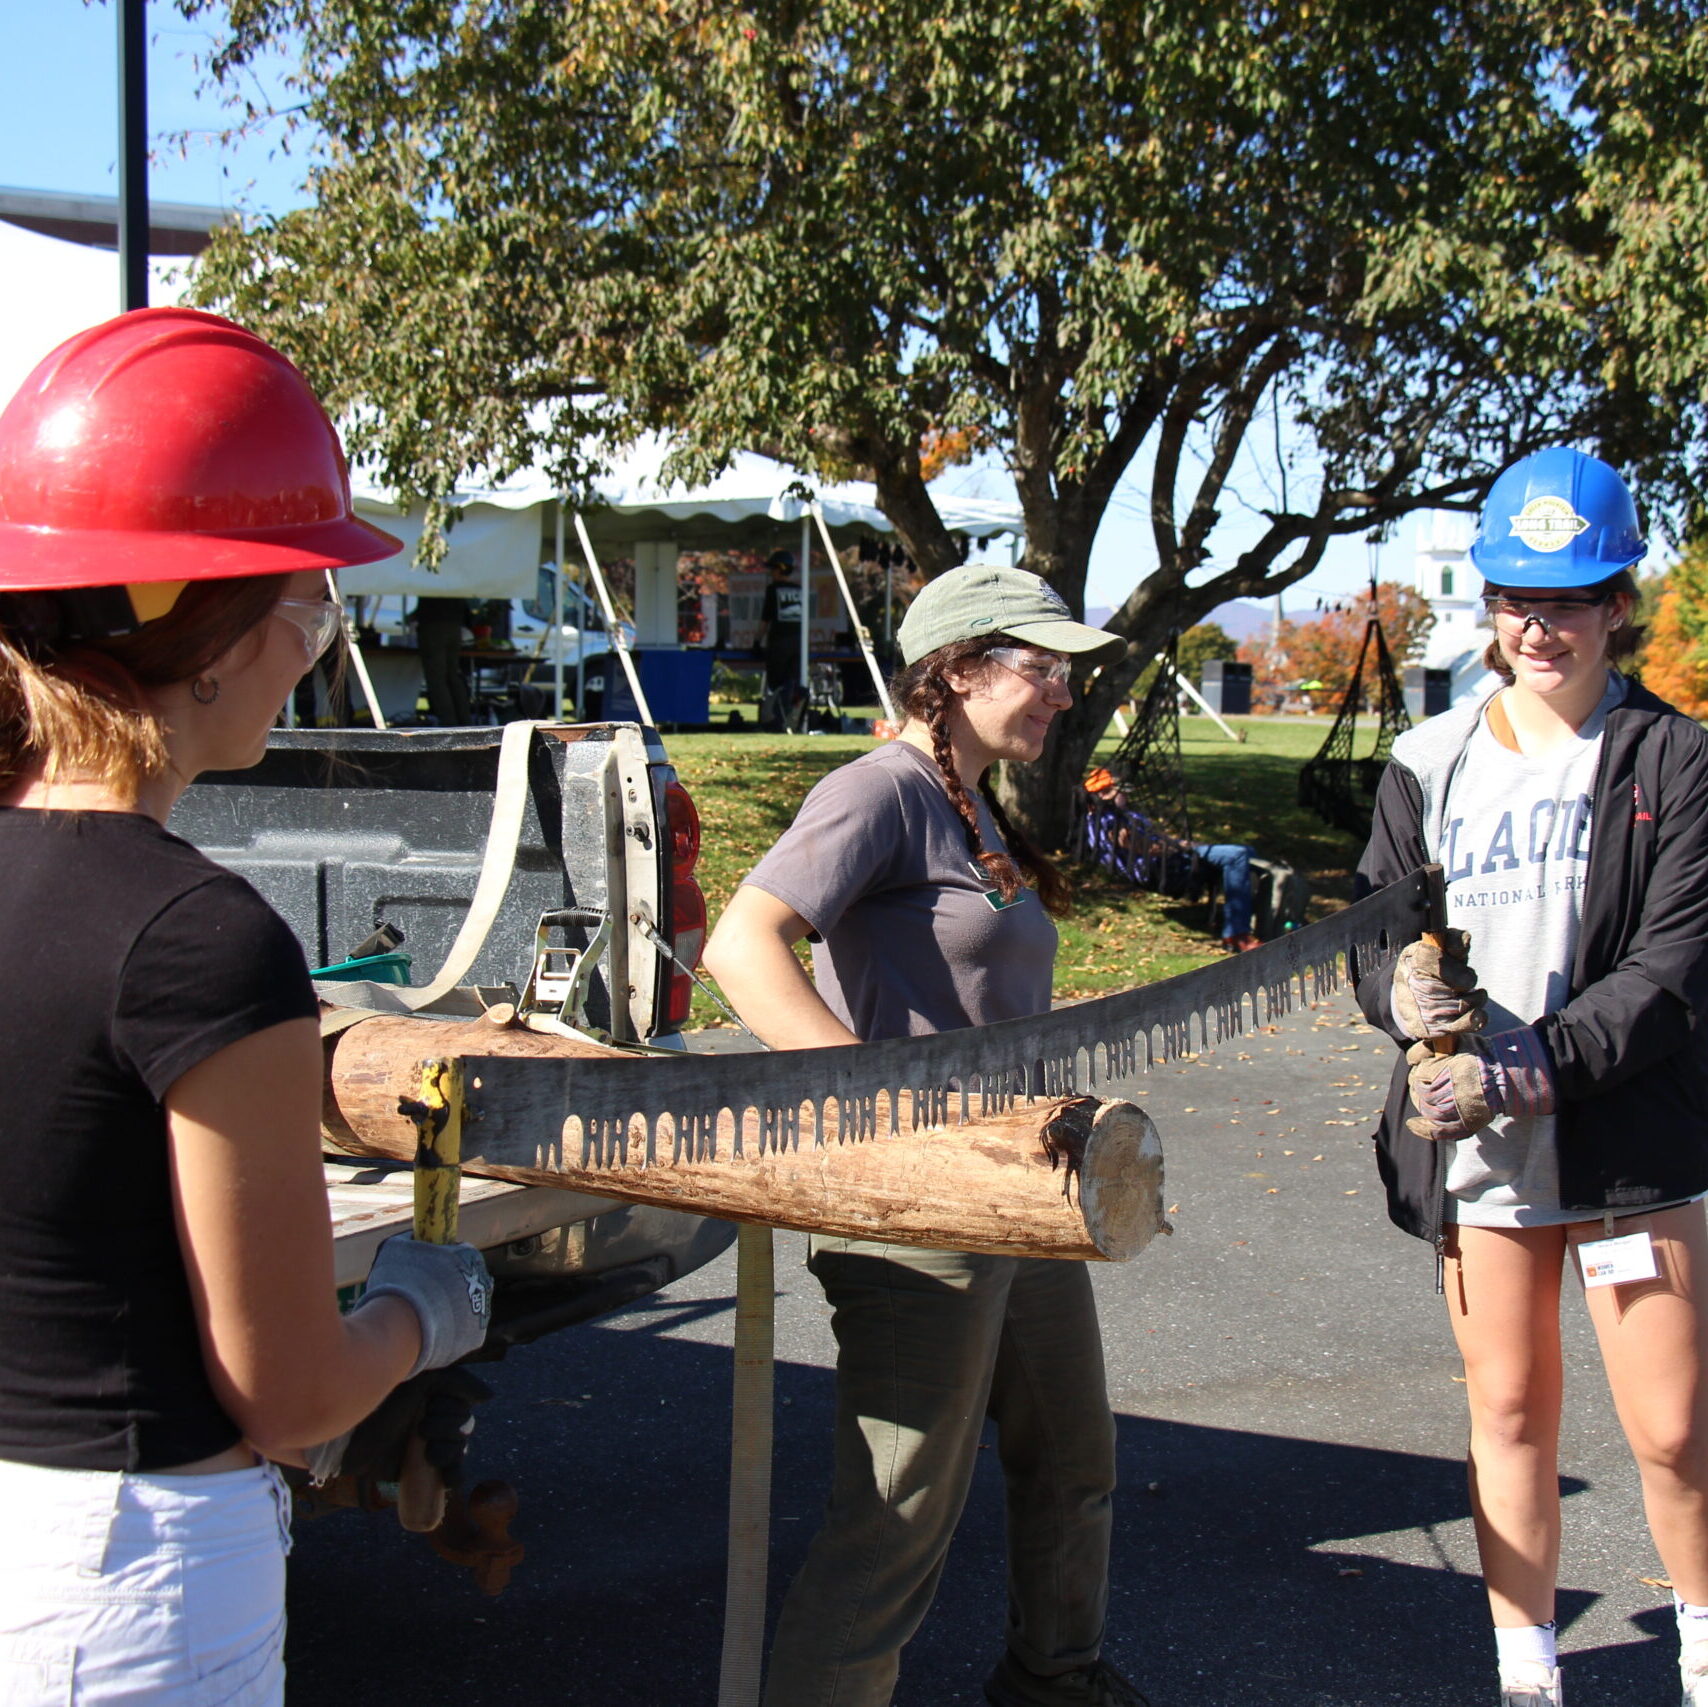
[(908, 936)]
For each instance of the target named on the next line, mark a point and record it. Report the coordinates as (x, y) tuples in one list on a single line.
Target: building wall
[(1445, 575)]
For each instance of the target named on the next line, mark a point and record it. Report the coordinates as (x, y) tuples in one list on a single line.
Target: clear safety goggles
[(1041, 669), (1512, 612), (316, 620)]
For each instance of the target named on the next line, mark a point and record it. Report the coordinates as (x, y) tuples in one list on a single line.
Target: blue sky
[(58, 131)]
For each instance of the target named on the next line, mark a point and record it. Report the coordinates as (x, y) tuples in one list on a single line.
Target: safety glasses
[(1516, 613), (1041, 669), (316, 620)]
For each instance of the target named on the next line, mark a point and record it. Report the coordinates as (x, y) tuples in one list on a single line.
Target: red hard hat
[(169, 445)]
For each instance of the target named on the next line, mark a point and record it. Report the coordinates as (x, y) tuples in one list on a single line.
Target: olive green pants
[(928, 1344)]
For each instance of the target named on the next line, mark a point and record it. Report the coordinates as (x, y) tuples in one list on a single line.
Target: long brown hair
[(922, 692), (80, 708), (1622, 643)]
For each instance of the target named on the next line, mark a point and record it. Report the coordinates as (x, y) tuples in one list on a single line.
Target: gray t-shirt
[(1515, 851), (909, 939)]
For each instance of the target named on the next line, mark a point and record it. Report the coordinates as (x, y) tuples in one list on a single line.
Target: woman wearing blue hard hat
[(1568, 1127)]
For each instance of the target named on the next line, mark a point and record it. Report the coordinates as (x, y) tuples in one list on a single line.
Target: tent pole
[(357, 660), (557, 622), (619, 645), (133, 154), (806, 621), (1204, 706), (862, 636)]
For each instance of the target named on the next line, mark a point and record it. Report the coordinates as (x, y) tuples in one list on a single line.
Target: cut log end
[(1121, 1183)]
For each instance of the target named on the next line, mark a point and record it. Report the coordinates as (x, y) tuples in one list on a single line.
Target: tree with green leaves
[(1096, 238)]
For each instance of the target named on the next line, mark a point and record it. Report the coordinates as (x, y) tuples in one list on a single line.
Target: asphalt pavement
[(1291, 1530)]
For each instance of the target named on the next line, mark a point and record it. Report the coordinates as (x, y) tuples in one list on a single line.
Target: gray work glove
[(438, 1405), (1508, 1072), (447, 1286), (1434, 991)]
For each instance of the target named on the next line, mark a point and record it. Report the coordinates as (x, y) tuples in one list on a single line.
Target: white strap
[(509, 800)]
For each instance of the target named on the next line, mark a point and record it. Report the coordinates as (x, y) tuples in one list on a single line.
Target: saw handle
[(1435, 899), (438, 1117), (1440, 1045)]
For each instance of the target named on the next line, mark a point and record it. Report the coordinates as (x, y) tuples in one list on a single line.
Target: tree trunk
[(1075, 1179)]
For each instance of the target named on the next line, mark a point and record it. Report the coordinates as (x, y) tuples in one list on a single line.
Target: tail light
[(682, 820), (687, 938), (687, 903)]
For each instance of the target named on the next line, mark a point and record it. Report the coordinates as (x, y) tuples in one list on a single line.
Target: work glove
[(1507, 1072), (447, 1286), (1434, 991), (438, 1405)]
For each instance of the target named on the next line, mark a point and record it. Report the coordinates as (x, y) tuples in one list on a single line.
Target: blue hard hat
[(1558, 518)]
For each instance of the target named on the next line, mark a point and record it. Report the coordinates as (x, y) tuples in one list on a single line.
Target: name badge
[(1613, 1262), (993, 896)]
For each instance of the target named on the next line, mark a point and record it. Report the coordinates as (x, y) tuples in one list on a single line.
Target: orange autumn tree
[(1675, 658), (1324, 647)]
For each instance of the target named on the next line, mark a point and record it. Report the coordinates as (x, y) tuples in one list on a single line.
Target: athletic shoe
[(1099, 1685), (1530, 1685), (1239, 944), (1693, 1670)]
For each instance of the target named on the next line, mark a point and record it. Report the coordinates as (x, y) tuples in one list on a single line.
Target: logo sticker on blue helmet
[(1548, 524)]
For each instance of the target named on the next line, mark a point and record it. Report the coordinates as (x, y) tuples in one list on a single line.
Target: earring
[(204, 690)]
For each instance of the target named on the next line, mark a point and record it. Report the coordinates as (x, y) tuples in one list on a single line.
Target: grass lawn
[(748, 787)]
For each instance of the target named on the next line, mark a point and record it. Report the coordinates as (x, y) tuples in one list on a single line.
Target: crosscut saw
[(658, 1108)]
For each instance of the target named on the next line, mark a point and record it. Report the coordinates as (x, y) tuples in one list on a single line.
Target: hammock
[(1147, 763), (1128, 839), (1340, 789)]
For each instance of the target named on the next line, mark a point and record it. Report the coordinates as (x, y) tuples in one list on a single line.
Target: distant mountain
[(1240, 618)]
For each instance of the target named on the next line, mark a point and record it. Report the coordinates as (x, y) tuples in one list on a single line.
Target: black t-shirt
[(782, 611), (129, 958)]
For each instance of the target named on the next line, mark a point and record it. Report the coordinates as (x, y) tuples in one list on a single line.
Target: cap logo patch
[(1049, 596), (1548, 524)]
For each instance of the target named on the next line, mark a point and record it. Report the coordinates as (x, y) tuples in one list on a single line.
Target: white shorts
[(134, 1589)]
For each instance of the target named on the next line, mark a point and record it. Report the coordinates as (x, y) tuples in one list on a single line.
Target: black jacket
[(1630, 1060)]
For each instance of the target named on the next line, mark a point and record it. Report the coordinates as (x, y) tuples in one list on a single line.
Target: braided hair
[(922, 692)]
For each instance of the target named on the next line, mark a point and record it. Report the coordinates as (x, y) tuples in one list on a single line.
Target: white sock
[(1692, 1620), (1526, 1645)]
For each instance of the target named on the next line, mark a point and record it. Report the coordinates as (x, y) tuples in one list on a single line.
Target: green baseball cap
[(983, 598)]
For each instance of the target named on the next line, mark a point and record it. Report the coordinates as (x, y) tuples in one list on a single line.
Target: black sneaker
[(1098, 1685)]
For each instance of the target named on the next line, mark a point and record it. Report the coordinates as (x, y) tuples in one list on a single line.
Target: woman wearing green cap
[(928, 912)]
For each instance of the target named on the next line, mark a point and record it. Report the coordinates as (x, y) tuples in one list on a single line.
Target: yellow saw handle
[(438, 1117)]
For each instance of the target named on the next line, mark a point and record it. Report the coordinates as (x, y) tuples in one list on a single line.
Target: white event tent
[(495, 548), (53, 289)]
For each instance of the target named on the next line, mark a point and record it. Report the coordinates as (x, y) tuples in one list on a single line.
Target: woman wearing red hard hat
[(1568, 1126), (171, 498)]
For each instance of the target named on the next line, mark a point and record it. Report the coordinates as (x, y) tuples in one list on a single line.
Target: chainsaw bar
[(660, 1108)]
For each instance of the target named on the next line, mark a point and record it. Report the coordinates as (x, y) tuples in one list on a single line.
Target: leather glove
[(1434, 991), (438, 1405), (447, 1286), (1508, 1072)]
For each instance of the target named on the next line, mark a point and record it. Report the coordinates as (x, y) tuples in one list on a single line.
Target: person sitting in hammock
[(1131, 844)]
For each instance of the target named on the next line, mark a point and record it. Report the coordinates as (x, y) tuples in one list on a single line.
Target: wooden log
[(1075, 1179)]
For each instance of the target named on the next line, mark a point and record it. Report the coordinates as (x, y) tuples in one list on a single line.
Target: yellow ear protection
[(151, 599), (47, 621)]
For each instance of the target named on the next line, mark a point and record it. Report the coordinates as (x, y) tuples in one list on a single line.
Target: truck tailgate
[(372, 1200)]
